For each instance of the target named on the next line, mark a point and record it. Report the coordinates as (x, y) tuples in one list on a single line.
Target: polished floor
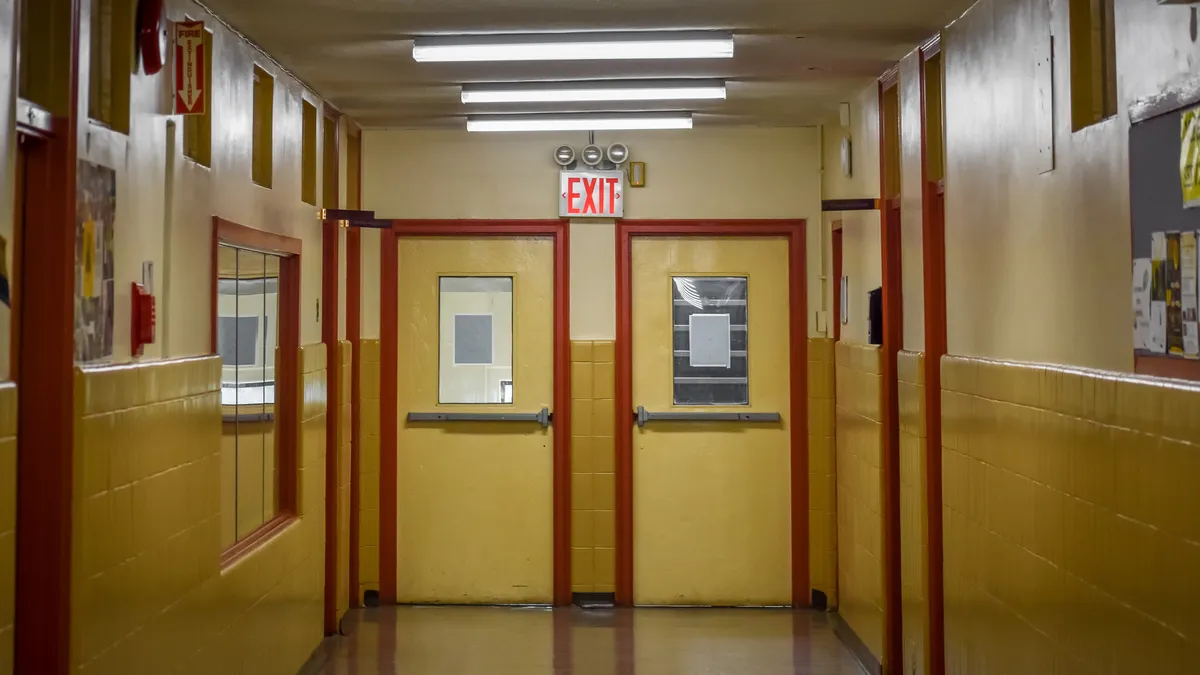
[(538, 641)]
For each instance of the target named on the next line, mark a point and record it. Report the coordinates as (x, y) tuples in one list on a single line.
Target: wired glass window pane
[(247, 341), (475, 341), (711, 341)]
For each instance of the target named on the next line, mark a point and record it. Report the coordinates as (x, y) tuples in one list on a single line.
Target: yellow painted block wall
[(859, 492), (368, 468), (8, 521), (344, 408), (822, 469), (593, 456), (913, 542), (1072, 543), (148, 590)]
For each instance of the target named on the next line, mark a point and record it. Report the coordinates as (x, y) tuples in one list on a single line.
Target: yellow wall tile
[(603, 454), (592, 452), (603, 351), (604, 492), (368, 462), (821, 467), (581, 417), (582, 529), (605, 524), (1069, 520), (581, 454), (582, 569), (859, 481), (602, 416), (581, 491), (581, 351), (148, 591), (605, 561), (581, 380), (8, 521)]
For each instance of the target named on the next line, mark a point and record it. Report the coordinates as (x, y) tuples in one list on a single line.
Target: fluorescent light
[(575, 47), (573, 92), (612, 122)]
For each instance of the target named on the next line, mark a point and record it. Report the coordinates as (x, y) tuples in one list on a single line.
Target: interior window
[(111, 62), (711, 341), (247, 342), (475, 343)]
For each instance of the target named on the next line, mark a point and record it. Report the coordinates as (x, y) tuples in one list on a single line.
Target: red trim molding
[(389, 340), (933, 240), (330, 271), (893, 340), (794, 232), (354, 335), (46, 395), (389, 416)]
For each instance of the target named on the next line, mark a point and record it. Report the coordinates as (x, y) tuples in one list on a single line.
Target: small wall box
[(637, 174)]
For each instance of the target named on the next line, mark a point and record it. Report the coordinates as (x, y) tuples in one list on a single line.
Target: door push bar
[(642, 416), (543, 417)]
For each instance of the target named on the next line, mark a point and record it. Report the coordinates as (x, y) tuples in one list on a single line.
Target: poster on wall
[(1189, 157), (1187, 256), (1157, 341), (1174, 296), (95, 215), (1141, 303)]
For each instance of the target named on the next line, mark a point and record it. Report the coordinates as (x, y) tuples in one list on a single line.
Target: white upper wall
[(727, 173)]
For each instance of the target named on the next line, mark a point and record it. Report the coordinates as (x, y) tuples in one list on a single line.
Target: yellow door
[(475, 511), (711, 519)]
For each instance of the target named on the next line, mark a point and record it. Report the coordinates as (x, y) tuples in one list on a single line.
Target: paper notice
[(1174, 294), (1141, 303), (1189, 157), (1187, 292), (1158, 328)]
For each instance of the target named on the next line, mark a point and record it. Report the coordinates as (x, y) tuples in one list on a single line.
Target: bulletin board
[(1164, 176)]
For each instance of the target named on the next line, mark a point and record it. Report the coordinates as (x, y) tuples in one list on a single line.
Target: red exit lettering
[(598, 198)]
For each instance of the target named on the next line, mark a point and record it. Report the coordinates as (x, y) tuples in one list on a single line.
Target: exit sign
[(591, 194)]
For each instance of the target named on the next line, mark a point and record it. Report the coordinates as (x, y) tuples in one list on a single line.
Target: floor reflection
[(574, 641)]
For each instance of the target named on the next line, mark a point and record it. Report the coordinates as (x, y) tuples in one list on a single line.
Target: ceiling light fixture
[(576, 92), (609, 122), (575, 47)]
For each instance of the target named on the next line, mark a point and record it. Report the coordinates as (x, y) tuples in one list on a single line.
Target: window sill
[(257, 539)]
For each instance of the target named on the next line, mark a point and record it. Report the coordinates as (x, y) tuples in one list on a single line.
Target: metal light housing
[(564, 155), (618, 153), (592, 155)]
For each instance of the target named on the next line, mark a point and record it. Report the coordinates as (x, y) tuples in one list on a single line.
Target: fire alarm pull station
[(142, 319)]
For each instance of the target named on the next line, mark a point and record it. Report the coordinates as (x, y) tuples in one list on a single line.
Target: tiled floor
[(537, 641)]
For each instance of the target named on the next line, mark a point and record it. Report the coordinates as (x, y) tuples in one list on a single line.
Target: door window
[(475, 340), (711, 341)]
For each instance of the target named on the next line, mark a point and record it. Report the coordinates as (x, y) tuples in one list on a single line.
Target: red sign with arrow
[(191, 68)]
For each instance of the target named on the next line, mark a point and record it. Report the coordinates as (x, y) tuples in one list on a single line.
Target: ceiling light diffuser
[(575, 47), (578, 92), (610, 122)]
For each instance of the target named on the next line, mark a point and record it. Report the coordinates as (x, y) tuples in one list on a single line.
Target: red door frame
[(330, 273), (354, 335), (559, 230), (46, 403), (893, 340), (794, 231), (933, 238)]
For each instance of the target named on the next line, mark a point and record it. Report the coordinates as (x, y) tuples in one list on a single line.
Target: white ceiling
[(794, 59)]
